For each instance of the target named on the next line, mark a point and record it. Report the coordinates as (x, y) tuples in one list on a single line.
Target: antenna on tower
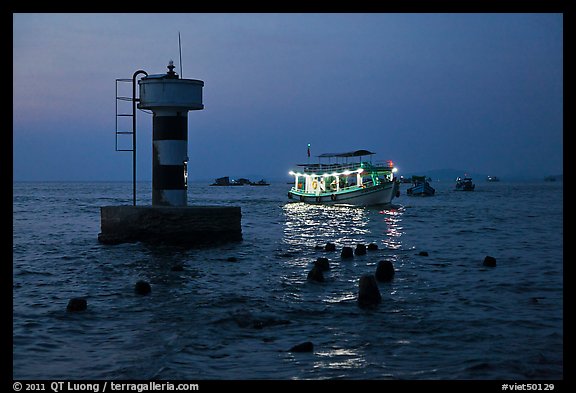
[(180, 50)]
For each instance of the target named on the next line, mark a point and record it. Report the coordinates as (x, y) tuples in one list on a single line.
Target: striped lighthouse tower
[(170, 98)]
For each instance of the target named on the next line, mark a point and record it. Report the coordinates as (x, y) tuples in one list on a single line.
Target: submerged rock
[(330, 247), (322, 263), (315, 274), (77, 304), (372, 246), (384, 271), (368, 292), (232, 259), (347, 252), (360, 249), (177, 268), (489, 261), (308, 346), (423, 253), (142, 288)]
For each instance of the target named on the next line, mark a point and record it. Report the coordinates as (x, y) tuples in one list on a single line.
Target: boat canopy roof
[(355, 153)]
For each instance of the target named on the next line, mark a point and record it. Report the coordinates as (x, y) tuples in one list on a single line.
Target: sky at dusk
[(477, 92)]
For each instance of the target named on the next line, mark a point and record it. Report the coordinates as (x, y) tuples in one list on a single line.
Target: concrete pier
[(186, 226)]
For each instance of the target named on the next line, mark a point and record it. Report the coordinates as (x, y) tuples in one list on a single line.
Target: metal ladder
[(119, 115), (132, 132)]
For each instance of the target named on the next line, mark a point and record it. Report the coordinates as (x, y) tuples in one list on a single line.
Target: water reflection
[(393, 219), (313, 224), (339, 358)]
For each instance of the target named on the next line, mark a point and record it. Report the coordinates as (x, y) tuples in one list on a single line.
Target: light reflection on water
[(341, 297), (340, 358), (393, 219), (306, 224), (309, 225)]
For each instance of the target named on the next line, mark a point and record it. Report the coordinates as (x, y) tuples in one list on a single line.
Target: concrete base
[(187, 226)]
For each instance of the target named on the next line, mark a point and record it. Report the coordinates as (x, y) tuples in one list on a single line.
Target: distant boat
[(464, 184), (225, 181), (260, 183), (492, 178), (420, 187), (348, 183)]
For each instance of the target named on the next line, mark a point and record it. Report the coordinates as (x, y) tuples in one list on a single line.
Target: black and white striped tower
[(168, 221), (170, 98)]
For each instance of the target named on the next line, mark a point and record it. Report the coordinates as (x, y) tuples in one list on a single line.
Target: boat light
[(394, 170), (291, 173)]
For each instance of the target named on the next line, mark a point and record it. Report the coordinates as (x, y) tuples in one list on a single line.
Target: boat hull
[(381, 194), (465, 187), (421, 190)]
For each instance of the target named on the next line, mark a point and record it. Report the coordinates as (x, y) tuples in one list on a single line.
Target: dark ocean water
[(444, 316)]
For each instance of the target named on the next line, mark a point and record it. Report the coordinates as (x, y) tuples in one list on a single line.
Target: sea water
[(234, 311)]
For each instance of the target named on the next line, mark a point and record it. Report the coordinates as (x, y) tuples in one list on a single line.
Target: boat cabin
[(341, 171)]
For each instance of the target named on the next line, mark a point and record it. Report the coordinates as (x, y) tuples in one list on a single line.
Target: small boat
[(420, 187), (260, 183), (492, 178), (359, 183), (464, 184)]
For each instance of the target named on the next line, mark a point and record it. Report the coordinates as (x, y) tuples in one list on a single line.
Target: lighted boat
[(420, 187), (464, 184), (358, 183)]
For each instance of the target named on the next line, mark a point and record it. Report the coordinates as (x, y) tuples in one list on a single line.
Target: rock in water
[(360, 249), (368, 292), (304, 347), (489, 261), (77, 304), (372, 246), (330, 247), (322, 263), (384, 271), (347, 252), (316, 274), (142, 288)]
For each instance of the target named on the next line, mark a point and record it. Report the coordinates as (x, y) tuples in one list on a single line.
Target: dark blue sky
[(477, 92)]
